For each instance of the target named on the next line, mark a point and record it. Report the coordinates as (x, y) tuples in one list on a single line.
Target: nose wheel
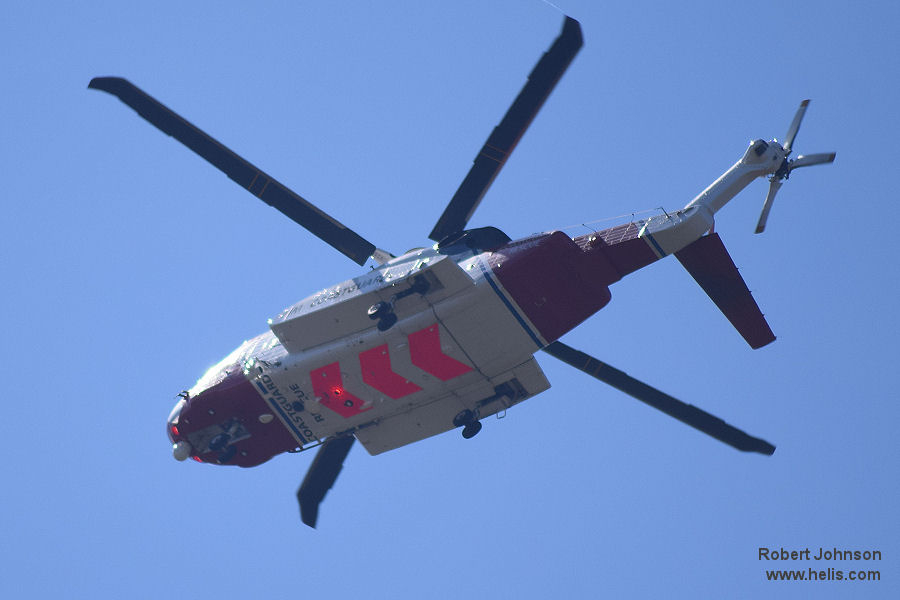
[(222, 443), (226, 455), (468, 420), (219, 442)]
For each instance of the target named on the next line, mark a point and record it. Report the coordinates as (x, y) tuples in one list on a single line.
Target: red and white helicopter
[(442, 337)]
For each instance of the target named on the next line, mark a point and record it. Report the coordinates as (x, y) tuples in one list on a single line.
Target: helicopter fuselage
[(441, 337), (468, 323)]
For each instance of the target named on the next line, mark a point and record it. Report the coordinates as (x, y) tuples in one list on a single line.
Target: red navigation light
[(329, 387)]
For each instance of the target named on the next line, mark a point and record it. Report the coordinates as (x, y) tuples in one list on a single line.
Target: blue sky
[(130, 266)]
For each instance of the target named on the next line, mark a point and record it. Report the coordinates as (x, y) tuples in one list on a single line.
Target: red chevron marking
[(425, 352), (377, 372)]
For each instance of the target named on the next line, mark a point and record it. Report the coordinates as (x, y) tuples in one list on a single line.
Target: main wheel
[(387, 321), (378, 310), (463, 418), (471, 430)]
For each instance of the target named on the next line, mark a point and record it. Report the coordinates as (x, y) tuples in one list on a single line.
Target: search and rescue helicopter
[(441, 337)]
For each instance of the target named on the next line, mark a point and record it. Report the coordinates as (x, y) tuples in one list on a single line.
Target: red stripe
[(425, 352), (328, 386), (376, 371)]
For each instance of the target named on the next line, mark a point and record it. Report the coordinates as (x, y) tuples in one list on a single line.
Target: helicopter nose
[(181, 449)]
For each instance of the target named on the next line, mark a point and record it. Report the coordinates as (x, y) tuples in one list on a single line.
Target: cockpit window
[(759, 146)]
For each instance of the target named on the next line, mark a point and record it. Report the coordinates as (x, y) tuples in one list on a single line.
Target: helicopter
[(441, 337)]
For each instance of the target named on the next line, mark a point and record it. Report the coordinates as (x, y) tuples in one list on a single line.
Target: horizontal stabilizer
[(709, 264)]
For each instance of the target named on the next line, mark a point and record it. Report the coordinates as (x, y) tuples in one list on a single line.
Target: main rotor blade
[(506, 135), (808, 160), (686, 413), (794, 128), (246, 175), (774, 186), (323, 472)]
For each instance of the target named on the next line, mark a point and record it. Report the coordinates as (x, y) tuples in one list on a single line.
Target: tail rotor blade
[(322, 474), (767, 206), (794, 128), (808, 160), (686, 413)]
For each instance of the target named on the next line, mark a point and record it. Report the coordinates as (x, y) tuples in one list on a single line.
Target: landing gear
[(470, 430), (379, 310), (222, 442), (468, 420), (219, 442), (387, 322), (226, 454), (383, 312)]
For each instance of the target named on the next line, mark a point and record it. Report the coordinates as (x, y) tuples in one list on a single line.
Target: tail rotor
[(784, 171)]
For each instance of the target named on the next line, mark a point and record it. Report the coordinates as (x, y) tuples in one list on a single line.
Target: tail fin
[(709, 263)]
